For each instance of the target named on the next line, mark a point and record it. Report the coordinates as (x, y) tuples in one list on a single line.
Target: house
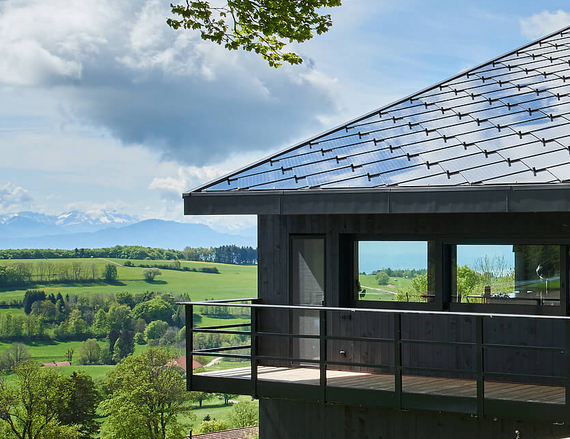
[(181, 361), (57, 364), (466, 186)]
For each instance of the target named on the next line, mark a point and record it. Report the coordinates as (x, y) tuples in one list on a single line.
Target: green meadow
[(383, 292), (233, 281)]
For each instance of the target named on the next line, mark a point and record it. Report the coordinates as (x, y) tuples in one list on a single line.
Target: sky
[(104, 107)]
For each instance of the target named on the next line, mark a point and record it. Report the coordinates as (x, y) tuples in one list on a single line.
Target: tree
[(30, 297), (146, 398), (244, 414), (110, 272), (89, 352), (382, 278), (30, 409), (82, 406), (199, 397), (14, 355), (261, 26), (150, 273), (155, 330), (228, 396), (69, 355)]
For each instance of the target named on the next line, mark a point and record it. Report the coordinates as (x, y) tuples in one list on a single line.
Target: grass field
[(383, 292), (233, 281)]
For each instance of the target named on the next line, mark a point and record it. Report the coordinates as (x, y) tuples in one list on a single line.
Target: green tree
[(89, 352), (30, 409), (244, 414), (150, 273), (110, 272), (82, 406), (382, 278), (14, 355), (261, 26), (154, 309), (199, 397), (467, 279), (155, 330), (146, 398), (228, 396)]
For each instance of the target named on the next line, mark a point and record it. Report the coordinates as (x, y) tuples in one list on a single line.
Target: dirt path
[(110, 262), (378, 289)]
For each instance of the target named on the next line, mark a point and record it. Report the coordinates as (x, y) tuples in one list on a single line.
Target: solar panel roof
[(502, 123)]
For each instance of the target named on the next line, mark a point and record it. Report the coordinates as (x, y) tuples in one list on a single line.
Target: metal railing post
[(189, 345), (398, 360), (567, 374), (254, 351), (323, 353), (480, 366)]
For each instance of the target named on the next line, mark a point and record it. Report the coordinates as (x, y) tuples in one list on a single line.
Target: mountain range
[(106, 229)]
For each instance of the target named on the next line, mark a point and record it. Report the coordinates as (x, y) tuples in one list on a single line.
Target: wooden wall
[(286, 419), (273, 241)]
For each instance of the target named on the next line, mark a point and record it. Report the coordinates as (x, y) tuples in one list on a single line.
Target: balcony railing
[(475, 363)]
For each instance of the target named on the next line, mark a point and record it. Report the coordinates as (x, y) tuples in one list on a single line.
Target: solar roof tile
[(504, 122)]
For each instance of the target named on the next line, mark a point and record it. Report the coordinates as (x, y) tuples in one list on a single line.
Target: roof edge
[(464, 199)]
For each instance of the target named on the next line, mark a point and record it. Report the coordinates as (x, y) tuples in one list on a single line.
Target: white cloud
[(544, 23), (13, 198), (122, 69)]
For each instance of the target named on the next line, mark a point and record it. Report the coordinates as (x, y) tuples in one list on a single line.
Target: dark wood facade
[(445, 230)]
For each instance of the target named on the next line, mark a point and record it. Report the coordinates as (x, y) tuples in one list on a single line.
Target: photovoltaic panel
[(505, 122)]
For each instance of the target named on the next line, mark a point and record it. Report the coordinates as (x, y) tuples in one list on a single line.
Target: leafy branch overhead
[(262, 26)]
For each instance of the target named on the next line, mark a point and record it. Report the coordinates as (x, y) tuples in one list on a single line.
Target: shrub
[(212, 426), (150, 273)]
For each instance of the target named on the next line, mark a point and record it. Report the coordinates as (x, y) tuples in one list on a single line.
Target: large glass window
[(394, 271), (507, 274)]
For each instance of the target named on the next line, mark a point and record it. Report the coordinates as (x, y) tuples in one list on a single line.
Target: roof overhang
[(464, 199)]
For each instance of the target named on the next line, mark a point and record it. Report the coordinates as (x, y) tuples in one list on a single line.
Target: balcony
[(483, 364)]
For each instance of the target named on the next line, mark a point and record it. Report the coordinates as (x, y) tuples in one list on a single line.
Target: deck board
[(410, 383)]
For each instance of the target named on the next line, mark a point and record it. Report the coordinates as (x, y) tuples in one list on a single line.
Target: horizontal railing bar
[(382, 310), (372, 366), (288, 359), (346, 338), (225, 348), (237, 325), (248, 299), (449, 343), (282, 334), (222, 331), (215, 354), (521, 375), (514, 346)]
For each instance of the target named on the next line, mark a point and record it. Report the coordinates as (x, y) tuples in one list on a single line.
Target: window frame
[(348, 257), (504, 308)]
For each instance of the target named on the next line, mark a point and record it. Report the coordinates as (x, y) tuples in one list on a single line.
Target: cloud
[(123, 70), (544, 23), (13, 198)]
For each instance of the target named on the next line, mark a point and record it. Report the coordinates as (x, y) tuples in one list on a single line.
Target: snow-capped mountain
[(29, 224), (106, 229)]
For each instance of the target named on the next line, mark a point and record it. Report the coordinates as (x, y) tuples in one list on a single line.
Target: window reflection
[(508, 274), (394, 271)]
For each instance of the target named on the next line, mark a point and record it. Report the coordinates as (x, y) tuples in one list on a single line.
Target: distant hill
[(75, 230)]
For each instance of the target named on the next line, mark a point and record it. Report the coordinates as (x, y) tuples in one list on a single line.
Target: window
[(507, 274), (394, 271)]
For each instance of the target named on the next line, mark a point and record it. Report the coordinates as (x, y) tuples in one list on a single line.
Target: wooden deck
[(410, 384)]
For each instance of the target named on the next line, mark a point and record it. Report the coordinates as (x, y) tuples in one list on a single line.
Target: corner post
[(398, 360), (323, 354), (189, 345), (480, 364), (254, 351)]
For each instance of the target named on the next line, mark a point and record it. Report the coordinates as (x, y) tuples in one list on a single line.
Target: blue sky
[(103, 107)]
